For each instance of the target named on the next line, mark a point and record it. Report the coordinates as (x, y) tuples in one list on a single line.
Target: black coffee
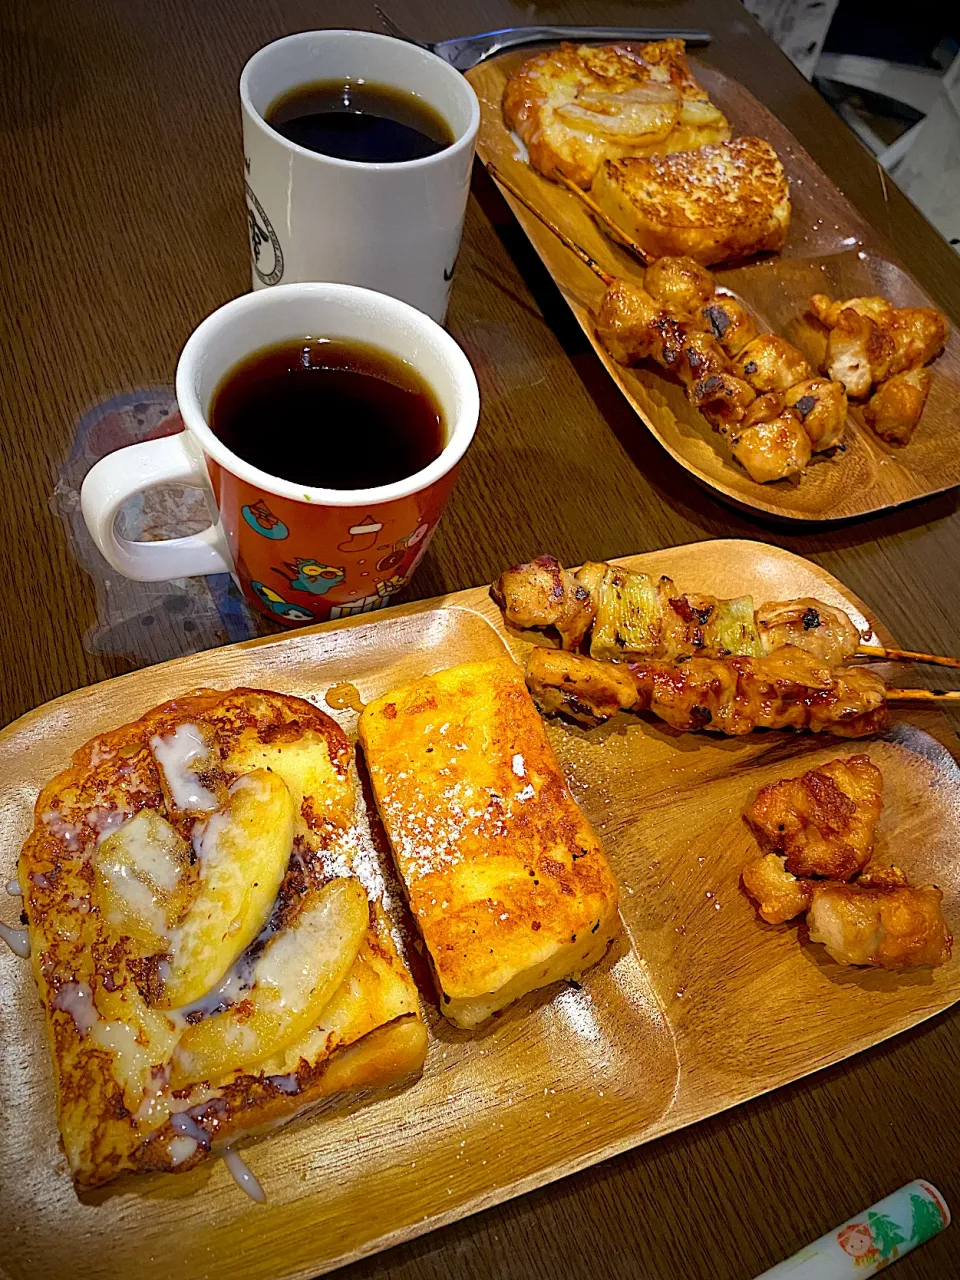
[(328, 413), (369, 122)]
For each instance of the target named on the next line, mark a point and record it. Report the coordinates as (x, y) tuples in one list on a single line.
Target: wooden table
[(123, 227)]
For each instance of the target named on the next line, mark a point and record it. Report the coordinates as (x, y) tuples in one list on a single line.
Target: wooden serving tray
[(830, 249), (700, 1007)]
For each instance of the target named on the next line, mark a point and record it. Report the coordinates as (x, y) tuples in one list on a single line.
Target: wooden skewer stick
[(905, 655), (618, 232), (561, 236), (923, 697)]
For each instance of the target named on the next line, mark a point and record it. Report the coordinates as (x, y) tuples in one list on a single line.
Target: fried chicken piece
[(680, 285), (894, 409), (581, 688), (858, 352), (828, 312), (772, 450), (771, 363), (730, 322), (880, 920), (778, 894), (723, 400), (823, 822), (578, 105), (822, 408), (871, 340), (628, 322), (822, 630), (918, 334), (541, 593)]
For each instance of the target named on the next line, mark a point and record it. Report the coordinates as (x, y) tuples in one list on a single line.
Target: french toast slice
[(505, 878), (577, 105), (714, 203), (112, 829)]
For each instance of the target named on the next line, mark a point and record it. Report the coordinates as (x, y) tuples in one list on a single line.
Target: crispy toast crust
[(111, 1046), (713, 204), (577, 105), (505, 877)]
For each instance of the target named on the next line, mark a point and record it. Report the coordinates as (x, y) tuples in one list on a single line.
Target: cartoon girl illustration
[(276, 604), (260, 518), (856, 1240), (311, 575)]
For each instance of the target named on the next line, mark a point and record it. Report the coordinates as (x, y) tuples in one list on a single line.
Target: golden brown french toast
[(715, 203), (506, 880), (577, 105), (216, 835)]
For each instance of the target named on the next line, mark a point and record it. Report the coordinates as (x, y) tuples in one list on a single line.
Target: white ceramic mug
[(300, 553), (391, 227)]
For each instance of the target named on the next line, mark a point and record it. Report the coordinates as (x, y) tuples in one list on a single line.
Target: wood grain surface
[(829, 249), (124, 226), (696, 1007)]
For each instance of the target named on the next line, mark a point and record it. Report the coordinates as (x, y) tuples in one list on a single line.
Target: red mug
[(300, 554)]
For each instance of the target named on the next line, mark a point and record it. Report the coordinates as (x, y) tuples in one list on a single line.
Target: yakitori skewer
[(755, 388), (630, 615), (923, 697), (876, 651), (788, 689), (618, 232)]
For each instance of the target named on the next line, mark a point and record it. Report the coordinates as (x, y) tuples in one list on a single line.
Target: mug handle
[(111, 481)]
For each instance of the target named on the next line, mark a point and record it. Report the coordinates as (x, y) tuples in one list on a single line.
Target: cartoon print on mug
[(282, 608), (259, 517), (397, 551), (312, 576), (361, 537)]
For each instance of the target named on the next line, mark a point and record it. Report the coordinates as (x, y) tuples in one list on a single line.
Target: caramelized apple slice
[(243, 851), (143, 880), (294, 979)]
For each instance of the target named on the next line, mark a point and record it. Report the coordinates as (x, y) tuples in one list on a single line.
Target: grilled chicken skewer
[(755, 388), (788, 689), (632, 615)]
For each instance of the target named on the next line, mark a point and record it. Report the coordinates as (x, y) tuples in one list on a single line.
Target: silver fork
[(466, 51)]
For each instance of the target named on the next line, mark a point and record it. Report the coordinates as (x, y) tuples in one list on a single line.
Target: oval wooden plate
[(830, 249), (701, 1007)]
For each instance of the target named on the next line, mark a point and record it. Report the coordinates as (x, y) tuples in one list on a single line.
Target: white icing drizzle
[(185, 1125), (18, 940), (239, 979), (99, 753), (37, 878), (76, 998), (177, 754), (151, 1101), (181, 1149), (151, 857), (13, 888), (286, 1084), (139, 898), (242, 1175), (68, 832), (106, 821)]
